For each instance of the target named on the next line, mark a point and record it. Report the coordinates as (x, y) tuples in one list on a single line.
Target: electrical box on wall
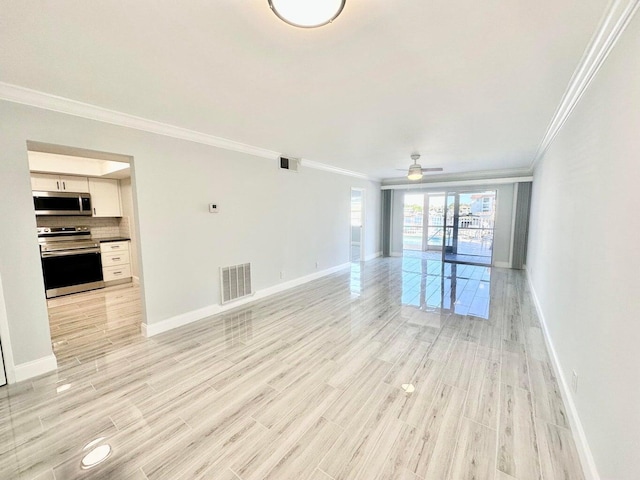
[(290, 164), (213, 208)]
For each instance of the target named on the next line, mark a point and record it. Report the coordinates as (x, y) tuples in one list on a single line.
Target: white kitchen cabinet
[(59, 183), (74, 184), (116, 262), (120, 274), (105, 197), (45, 183)]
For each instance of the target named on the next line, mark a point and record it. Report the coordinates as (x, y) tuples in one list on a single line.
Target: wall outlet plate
[(213, 208)]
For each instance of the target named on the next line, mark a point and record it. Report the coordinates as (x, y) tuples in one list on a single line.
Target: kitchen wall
[(128, 223), (503, 226), (281, 222), (584, 257), (104, 227)]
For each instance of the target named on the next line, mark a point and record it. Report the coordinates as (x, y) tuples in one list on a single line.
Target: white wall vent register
[(235, 282)]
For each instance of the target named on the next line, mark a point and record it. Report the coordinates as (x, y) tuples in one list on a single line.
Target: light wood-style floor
[(336, 379)]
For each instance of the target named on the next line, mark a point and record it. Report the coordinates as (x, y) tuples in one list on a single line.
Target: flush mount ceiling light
[(307, 13)]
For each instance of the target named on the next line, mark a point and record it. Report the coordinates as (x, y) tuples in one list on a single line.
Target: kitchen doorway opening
[(86, 216), (356, 240)]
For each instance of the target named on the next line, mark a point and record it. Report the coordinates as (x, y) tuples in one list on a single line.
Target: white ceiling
[(44, 162), (471, 85)]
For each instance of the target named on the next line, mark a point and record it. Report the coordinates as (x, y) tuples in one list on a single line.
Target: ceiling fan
[(416, 171)]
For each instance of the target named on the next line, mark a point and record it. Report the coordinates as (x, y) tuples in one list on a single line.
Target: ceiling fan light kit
[(307, 13), (415, 172)]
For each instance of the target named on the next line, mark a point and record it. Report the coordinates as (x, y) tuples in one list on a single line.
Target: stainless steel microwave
[(62, 203)]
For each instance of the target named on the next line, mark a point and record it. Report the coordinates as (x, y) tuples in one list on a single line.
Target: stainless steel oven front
[(71, 260), (71, 270)]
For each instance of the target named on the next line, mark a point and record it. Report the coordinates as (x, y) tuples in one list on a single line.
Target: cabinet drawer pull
[(57, 185), (114, 247), (117, 273), (64, 185), (115, 259)]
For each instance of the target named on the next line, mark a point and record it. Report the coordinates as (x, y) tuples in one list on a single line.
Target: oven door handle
[(65, 253)]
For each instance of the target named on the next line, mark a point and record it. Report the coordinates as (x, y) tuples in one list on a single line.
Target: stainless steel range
[(71, 260)]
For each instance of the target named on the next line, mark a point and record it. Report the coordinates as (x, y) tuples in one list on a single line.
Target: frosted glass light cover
[(415, 172), (307, 13)]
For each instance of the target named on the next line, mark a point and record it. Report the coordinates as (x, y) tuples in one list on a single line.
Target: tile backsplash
[(100, 227)]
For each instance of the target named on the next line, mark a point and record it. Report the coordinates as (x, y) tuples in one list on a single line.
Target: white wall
[(279, 221), (504, 219), (5, 349), (584, 256)]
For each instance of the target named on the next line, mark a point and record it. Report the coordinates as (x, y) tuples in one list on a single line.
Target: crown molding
[(478, 182), (338, 170), (46, 101), (615, 20), (478, 175), (34, 98)]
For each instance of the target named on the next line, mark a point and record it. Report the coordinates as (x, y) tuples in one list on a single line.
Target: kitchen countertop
[(112, 239)]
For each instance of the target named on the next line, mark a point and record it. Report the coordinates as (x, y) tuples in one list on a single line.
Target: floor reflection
[(355, 283), (238, 327), (433, 285)]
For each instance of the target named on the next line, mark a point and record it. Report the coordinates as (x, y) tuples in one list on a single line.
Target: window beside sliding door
[(413, 221), (423, 227)]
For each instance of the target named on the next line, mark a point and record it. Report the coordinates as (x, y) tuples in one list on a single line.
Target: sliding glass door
[(470, 223), (413, 221)]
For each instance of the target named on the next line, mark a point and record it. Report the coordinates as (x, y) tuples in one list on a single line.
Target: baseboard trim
[(395, 254), (34, 368), (372, 256), (151, 329), (502, 264), (582, 445)]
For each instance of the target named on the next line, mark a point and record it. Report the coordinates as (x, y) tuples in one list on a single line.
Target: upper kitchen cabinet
[(105, 197), (59, 183)]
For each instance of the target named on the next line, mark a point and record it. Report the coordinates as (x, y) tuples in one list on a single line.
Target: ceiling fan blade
[(433, 169)]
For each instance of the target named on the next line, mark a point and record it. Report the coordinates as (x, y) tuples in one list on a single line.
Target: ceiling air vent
[(290, 164)]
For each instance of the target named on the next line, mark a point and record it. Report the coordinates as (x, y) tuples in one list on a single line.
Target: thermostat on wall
[(213, 208)]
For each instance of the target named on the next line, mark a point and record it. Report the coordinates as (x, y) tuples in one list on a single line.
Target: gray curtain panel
[(386, 222), (521, 230)]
